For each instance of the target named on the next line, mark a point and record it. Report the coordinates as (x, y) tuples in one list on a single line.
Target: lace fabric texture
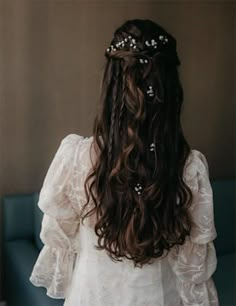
[(60, 200)]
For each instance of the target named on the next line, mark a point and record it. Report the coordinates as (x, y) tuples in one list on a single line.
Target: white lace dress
[(70, 267)]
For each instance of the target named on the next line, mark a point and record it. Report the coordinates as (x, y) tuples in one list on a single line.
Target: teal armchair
[(21, 246), (224, 192)]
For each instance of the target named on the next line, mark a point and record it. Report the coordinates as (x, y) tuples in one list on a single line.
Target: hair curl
[(128, 225)]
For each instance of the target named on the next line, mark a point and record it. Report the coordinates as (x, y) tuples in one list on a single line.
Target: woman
[(128, 213)]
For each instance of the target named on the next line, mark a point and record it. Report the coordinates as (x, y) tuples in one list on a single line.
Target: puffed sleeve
[(196, 260), (60, 225)]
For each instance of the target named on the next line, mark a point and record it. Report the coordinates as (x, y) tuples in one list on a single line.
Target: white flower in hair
[(150, 91), (138, 188), (143, 60), (152, 146)]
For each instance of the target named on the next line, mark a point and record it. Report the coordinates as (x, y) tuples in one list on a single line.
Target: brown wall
[(51, 60)]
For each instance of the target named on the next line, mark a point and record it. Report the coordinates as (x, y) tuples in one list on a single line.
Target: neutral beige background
[(51, 61)]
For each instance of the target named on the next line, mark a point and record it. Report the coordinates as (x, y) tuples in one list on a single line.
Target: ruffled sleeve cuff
[(203, 294), (60, 225), (193, 266), (53, 270)]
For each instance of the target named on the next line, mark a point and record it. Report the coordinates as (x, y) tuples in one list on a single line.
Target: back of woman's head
[(136, 184)]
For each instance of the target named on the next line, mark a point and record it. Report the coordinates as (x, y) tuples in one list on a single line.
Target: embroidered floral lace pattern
[(68, 264)]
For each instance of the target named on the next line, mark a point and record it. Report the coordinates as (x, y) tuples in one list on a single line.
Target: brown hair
[(139, 227)]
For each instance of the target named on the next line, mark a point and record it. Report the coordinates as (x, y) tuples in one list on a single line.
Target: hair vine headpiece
[(153, 43), (130, 41)]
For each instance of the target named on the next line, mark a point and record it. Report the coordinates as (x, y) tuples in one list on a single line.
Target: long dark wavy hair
[(141, 226)]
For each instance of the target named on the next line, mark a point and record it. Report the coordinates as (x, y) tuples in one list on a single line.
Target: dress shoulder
[(196, 164), (70, 142), (58, 180), (71, 147), (74, 138)]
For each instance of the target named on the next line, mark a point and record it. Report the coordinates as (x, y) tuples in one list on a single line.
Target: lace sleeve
[(196, 260), (60, 225)]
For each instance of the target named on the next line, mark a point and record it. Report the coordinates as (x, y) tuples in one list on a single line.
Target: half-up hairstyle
[(139, 225)]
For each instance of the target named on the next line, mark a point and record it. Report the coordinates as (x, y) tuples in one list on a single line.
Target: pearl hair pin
[(143, 61), (138, 188), (152, 146), (150, 91), (177, 200)]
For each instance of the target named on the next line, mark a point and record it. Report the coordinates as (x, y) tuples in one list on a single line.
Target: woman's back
[(71, 267), (130, 222)]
